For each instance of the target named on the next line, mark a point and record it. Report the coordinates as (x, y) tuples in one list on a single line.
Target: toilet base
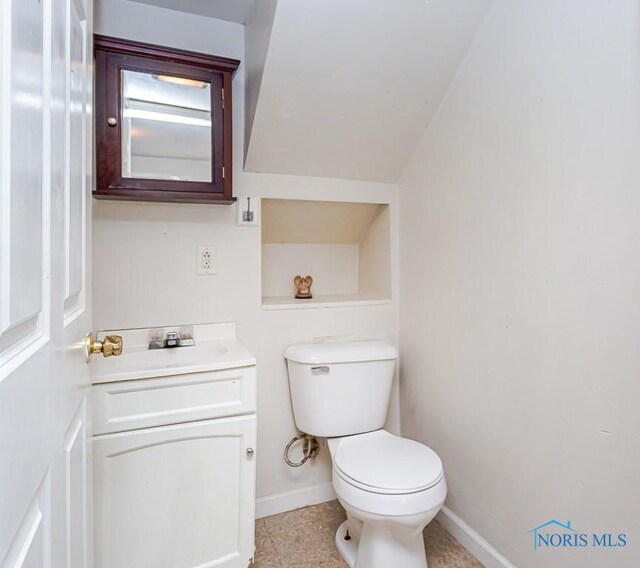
[(348, 549), (378, 548)]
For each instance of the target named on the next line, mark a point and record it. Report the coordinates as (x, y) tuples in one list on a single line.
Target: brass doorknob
[(110, 345)]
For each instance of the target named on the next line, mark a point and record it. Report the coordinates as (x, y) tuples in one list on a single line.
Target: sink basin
[(217, 348)]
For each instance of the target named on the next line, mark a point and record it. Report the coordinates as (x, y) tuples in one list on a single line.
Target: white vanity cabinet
[(174, 470)]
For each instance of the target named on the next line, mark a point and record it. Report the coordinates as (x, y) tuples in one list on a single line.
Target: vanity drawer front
[(143, 403)]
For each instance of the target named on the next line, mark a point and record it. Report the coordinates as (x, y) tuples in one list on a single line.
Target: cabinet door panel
[(176, 496)]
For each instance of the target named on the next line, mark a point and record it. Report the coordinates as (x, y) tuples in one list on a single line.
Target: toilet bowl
[(391, 489)]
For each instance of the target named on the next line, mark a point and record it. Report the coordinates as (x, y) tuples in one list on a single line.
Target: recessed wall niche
[(344, 246)]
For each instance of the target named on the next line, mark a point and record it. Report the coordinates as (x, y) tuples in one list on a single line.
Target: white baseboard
[(291, 500), (471, 540)]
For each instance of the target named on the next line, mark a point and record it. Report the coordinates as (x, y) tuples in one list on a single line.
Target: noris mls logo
[(554, 534)]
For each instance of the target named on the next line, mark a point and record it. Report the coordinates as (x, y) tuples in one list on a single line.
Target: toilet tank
[(340, 389)]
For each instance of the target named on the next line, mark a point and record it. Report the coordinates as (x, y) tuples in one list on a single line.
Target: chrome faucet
[(181, 338), (172, 339)]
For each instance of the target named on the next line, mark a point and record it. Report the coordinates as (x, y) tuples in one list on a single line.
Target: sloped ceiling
[(349, 86), (229, 10)]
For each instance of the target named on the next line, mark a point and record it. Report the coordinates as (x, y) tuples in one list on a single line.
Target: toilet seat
[(379, 462)]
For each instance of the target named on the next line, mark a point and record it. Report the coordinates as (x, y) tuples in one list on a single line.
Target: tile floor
[(305, 539)]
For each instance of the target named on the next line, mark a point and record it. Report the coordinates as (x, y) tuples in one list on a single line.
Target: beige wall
[(144, 254), (520, 271), (334, 268), (374, 261)]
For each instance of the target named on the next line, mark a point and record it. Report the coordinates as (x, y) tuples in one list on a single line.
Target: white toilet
[(390, 487)]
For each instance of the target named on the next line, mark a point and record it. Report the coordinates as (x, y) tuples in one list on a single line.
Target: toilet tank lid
[(341, 352)]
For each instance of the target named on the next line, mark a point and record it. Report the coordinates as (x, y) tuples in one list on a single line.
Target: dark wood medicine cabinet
[(163, 123)]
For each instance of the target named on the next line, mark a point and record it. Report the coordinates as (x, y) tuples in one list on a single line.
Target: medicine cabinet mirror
[(163, 123)]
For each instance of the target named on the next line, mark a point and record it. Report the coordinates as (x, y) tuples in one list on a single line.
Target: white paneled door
[(45, 183)]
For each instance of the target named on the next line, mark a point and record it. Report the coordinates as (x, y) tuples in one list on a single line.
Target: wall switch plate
[(248, 211), (206, 261)]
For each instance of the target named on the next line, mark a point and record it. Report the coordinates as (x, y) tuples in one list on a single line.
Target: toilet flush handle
[(321, 370)]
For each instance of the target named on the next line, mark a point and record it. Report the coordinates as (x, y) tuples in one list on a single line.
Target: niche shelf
[(344, 246)]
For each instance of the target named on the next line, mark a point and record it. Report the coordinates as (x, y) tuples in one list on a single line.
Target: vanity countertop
[(216, 348)]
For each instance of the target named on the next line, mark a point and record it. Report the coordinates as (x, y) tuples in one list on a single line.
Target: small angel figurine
[(303, 286)]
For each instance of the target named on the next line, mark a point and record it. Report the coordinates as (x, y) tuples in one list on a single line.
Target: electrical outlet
[(206, 261)]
